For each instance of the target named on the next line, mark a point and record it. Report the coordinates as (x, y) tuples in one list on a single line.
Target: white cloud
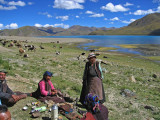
[(1, 26), (94, 14), (7, 8), (127, 22), (114, 19), (143, 12), (12, 26), (77, 16), (48, 25), (97, 15), (94, 0), (158, 9), (61, 25), (38, 25), (128, 4), (114, 8), (89, 12), (30, 3), (68, 4), (46, 13), (55, 25), (111, 23), (105, 19), (3, 2), (156, 1), (138, 6), (63, 18), (19, 3), (49, 16)]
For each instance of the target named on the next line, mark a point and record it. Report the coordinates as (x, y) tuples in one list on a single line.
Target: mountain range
[(148, 25), (50, 31)]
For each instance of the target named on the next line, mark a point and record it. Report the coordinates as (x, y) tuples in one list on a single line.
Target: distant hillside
[(80, 30), (24, 31), (148, 25), (50, 31)]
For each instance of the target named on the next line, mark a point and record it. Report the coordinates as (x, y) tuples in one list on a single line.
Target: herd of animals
[(24, 46)]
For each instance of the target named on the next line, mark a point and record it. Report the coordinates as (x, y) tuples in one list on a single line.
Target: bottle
[(41, 109), (54, 112)]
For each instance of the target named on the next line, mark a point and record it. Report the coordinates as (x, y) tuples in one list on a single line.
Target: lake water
[(114, 40)]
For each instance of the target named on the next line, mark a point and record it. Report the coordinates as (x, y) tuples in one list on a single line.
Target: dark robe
[(37, 94), (92, 82), (6, 94)]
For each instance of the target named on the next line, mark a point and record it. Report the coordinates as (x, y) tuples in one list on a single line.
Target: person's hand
[(53, 92)]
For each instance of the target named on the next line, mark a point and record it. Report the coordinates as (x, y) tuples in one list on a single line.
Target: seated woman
[(46, 90)]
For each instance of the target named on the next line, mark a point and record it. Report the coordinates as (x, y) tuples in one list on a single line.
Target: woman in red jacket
[(46, 90)]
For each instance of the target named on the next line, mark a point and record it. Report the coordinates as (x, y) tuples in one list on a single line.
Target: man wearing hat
[(92, 79), (7, 96), (46, 90)]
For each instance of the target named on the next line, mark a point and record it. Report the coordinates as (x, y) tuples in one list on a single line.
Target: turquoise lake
[(114, 40)]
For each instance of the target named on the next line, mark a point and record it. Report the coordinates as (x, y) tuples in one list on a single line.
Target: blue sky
[(66, 13)]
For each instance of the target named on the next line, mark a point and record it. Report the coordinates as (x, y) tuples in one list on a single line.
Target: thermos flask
[(54, 112)]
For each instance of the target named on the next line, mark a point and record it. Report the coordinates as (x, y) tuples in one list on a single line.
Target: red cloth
[(88, 116), (42, 87)]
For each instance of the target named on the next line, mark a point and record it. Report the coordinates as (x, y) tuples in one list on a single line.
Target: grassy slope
[(69, 72)]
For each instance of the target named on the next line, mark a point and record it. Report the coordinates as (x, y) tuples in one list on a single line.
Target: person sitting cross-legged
[(46, 90), (7, 96)]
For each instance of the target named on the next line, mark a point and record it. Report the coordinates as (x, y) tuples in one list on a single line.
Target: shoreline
[(46, 40)]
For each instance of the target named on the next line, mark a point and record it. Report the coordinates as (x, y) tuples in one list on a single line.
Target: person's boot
[(18, 97), (22, 96)]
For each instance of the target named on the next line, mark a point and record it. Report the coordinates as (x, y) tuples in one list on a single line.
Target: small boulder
[(132, 78), (104, 70), (36, 114), (148, 107), (128, 93), (154, 76)]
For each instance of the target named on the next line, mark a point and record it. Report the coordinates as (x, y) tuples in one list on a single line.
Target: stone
[(104, 70), (148, 107), (113, 73), (28, 104), (132, 78), (105, 57), (128, 93), (154, 76), (36, 114)]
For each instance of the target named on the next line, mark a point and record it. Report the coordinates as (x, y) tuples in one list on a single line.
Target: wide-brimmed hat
[(91, 55), (3, 71), (47, 73)]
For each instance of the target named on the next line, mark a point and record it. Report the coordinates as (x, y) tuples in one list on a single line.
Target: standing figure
[(92, 79)]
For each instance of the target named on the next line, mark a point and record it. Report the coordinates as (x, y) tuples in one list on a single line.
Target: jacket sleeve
[(5, 95), (101, 71), (9, 90), (42, 89)]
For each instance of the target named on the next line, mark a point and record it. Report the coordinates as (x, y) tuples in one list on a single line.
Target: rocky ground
[(131, 84)]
